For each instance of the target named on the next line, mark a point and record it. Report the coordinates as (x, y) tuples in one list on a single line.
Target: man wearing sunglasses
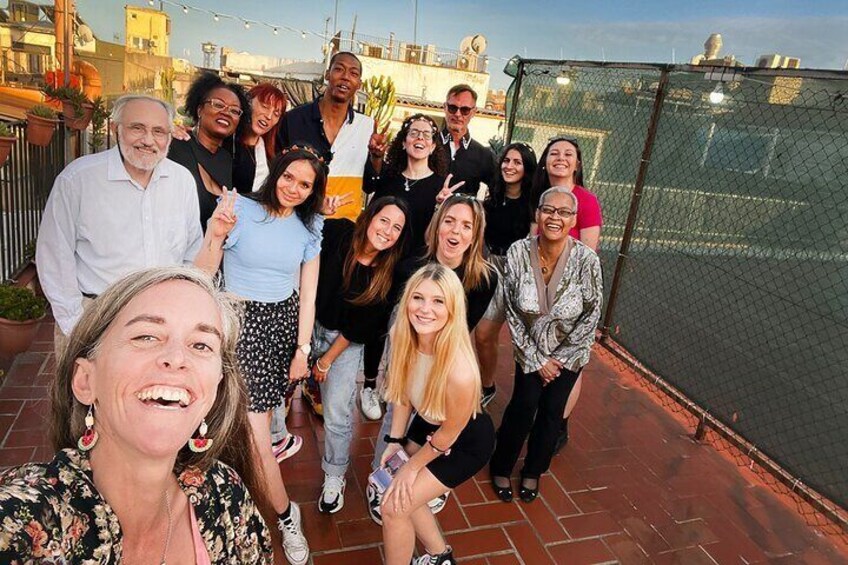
[(470, 161)]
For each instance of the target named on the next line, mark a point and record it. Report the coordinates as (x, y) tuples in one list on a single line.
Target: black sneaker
[(489, 393), (445, 558)]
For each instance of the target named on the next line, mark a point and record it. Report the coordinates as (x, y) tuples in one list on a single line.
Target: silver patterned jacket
[(559, 321)]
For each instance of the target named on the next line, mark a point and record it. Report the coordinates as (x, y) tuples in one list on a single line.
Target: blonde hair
[(227, 419), (477, 269), (452, 342)]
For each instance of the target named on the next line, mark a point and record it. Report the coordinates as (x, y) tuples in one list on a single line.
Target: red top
[(588, 211)]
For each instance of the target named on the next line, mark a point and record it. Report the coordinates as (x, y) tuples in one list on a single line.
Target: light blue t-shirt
[(263, 253)]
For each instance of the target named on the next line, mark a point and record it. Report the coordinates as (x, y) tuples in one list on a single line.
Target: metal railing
[(25, 182)]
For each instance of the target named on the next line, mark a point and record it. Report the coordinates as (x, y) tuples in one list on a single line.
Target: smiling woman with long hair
[(270, 242), (433, 372)]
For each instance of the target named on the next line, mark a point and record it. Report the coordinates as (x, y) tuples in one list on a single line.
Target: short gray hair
[(121, 103), (558, 190)]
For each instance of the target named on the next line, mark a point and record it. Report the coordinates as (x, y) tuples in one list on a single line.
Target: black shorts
[(469, 453)]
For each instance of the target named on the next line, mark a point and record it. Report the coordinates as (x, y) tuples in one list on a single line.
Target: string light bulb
[(185, 9), (215, 17), (276, 31), (303, 35), (246, 24)]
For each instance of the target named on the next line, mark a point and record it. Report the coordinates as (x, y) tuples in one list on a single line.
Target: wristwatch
[(305, 348), (389, 439)]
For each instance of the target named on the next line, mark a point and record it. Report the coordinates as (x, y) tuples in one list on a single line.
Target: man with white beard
[(115, 212)]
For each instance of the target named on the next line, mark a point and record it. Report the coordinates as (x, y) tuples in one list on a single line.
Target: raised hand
[(377, 144), (447, 189), (333, 203), (224, 217), (180, 132)]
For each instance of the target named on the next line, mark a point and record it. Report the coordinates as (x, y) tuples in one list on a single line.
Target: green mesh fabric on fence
[(734, 288)]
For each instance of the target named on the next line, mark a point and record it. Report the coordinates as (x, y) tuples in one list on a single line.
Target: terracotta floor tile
[(25, 438), (646, 536), (9, 407), (543, 520), (688, 556), (22, 392), (687, 534), (492, 513), (581, 552), (626, 549), (505, 559), (359, 532), (452, 517), (529, 546), (478, 542), (469, 493), (319, 529), (590, 525), (12, 456), (349, 557)]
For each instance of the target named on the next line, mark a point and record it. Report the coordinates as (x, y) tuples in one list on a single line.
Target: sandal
[(526, 493), (504, 493)]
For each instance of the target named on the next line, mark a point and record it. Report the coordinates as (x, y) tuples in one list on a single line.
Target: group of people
[(168, 405)]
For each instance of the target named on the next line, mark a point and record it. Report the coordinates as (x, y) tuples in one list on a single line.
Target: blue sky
[(614, 30)]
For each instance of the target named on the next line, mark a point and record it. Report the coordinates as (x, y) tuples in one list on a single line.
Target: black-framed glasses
[(221, 106), (453, 109), (563, 213), (426, 135)]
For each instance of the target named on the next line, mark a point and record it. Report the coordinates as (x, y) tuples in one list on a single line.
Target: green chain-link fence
[(725, 240)]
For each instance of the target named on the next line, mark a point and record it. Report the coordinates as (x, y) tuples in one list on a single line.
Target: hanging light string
[(248, 23)]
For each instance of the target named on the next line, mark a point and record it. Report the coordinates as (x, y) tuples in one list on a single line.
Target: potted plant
[(41, 123), (20, 312), (7, 139), (76, 108)]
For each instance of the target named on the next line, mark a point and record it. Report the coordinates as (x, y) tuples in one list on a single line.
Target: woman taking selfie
[(433, 373), (147, 412)]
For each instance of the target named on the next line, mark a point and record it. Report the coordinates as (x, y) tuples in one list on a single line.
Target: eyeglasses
[(453, 109), (420, 134), (220, 105), (563, 213), (140, 130)]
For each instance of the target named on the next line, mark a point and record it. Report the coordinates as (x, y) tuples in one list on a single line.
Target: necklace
[(168, 531), (407, 185)]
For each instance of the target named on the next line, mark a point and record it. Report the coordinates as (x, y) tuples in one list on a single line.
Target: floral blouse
[(556, 320), (52, 513)]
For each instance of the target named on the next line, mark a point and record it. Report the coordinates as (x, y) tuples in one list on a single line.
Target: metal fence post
[(514, 110), (632, 214)]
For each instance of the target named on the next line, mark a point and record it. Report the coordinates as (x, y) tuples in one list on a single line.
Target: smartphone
[(382, 477)]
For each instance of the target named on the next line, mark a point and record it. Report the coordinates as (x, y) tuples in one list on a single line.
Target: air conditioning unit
[(375, 51), (410, 53), (792, 63), (430, 56)]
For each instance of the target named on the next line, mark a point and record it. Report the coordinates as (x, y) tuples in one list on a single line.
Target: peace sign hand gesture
[(447, 189), (333, 203), (224, 217)]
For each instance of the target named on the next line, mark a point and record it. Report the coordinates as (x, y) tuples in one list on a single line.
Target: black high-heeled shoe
[(504, 493), (527, 494)]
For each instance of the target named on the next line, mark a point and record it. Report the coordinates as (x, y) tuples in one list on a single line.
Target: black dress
[(190, 154)]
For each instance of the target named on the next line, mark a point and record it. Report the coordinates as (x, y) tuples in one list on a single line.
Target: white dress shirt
[(261, 160), (100, 225)]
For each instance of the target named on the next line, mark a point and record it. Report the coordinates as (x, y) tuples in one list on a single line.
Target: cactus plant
[(380, 102)]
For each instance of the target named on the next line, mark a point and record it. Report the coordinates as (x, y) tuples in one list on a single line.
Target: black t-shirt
[(333, 309), (219, 165), (506, 222), (472, 163), (421, 199), (244, 168)]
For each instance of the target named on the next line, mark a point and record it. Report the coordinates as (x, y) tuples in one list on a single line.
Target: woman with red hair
[(256, 147)]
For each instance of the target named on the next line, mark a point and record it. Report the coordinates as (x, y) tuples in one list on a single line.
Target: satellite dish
[(84, 35), (465, 44), (478, 44)]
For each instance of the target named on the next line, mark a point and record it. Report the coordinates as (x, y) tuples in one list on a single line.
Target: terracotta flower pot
[(40, 130), (16, 337), (77, 122), (6, 144)]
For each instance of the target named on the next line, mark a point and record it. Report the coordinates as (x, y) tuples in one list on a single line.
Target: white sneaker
[(437, 504), (374, 501), (369, 403), (332, 496), (294, 542)]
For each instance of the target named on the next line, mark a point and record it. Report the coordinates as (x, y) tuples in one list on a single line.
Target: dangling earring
[(89, 437), (201, 443)]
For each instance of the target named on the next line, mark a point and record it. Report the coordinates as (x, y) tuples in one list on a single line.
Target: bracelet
[(399, 440), (444, 452), (320, 368)]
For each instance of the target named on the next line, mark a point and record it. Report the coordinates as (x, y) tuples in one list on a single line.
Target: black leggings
[(535, 410)]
